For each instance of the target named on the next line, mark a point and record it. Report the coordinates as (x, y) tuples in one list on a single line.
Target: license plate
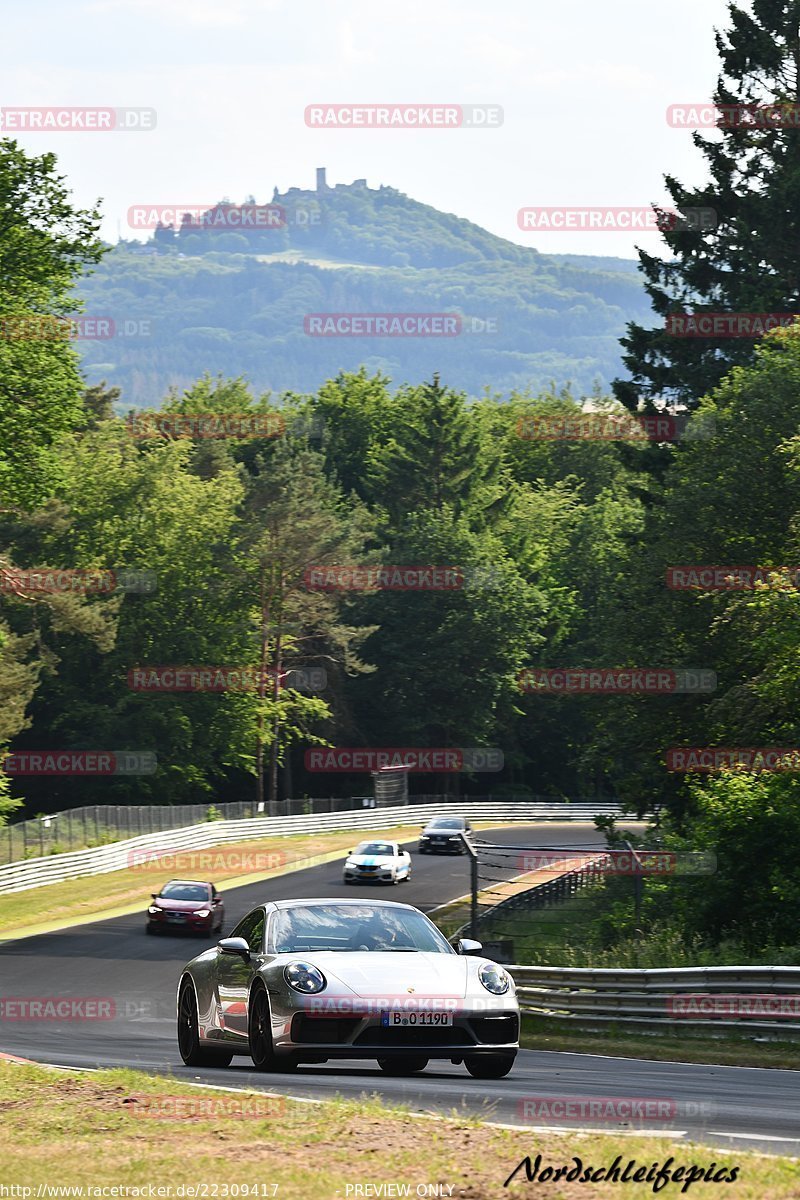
[(415, 1019)]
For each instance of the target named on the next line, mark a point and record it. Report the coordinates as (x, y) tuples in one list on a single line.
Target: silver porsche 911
[(305, 981)]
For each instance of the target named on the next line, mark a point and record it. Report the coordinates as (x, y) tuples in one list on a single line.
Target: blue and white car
[(380, 862)]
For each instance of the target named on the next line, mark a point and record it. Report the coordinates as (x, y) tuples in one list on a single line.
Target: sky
[(584, 88)]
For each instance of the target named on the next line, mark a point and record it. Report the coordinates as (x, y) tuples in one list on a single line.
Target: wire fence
[(101, 824), (544, 904)]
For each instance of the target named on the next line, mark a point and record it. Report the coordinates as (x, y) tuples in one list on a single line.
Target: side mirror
[(463, 946), (154, 895), (235, 945), (349, 851)]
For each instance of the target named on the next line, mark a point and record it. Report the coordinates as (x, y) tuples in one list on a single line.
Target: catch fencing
[(34, 872), (99, 824)]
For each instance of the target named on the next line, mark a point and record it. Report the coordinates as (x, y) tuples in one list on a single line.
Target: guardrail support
[(473, 887)]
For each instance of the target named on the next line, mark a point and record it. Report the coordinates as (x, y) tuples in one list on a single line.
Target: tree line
[(572, 547)]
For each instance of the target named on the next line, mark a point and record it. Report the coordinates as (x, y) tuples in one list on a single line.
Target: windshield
[(447, 823), (375, 848), (184, 891), (354, 927)]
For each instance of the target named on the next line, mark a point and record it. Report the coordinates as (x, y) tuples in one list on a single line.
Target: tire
[(489, 1066), (191, 1051), (259, 1035), (410, 1065)]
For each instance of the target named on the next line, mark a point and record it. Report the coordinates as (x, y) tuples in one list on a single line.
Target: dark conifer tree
[(751, 262)]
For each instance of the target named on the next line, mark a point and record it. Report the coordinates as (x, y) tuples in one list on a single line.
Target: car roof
[(202, 882), (382, 841), (338, 900)]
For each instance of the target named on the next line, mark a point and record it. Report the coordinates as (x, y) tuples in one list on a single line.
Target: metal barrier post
[(473, 880)]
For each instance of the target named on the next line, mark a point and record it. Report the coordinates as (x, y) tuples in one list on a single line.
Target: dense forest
[(554, 540), (237, 302)]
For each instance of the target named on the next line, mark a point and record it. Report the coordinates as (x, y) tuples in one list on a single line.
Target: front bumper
[(428, 847), (360, 875), (359, 1036), (186, 922)]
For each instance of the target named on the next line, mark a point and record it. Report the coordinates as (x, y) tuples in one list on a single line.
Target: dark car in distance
[(186, 904), (442, 835)]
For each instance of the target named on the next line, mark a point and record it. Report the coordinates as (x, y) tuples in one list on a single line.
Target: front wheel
[(259, 1036), (489, 1066), (193, 1053), (410, 1065)]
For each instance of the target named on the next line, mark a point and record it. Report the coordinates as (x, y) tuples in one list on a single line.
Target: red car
[(186, 904)]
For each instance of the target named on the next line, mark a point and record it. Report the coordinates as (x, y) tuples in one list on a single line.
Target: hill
[(200, 298)]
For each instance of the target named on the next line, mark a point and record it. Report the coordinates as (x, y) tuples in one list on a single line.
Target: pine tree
[(436, 457), (751, 262)]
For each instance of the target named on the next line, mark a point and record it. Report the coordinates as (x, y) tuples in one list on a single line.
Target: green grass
[(121, 1129), (118, 892), (573, 933), (732, 1049), (58, 905)]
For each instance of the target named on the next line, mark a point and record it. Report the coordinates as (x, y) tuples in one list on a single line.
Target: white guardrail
[(748, 999), (55, 868)]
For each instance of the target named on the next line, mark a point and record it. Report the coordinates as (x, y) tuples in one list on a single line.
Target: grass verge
[(121, 1129), (732, 1050), (119, 893)]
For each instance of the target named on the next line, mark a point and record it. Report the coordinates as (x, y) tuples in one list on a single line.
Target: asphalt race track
[(748, 1108)]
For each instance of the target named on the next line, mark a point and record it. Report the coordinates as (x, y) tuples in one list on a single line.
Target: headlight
[(154, 908), (494, 978), (304, 977), (203, 912), (349, 862)]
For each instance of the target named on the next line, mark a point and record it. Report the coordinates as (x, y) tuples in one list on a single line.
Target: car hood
[(180, 905), (371, 860), (429, 831), (373, 973)]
